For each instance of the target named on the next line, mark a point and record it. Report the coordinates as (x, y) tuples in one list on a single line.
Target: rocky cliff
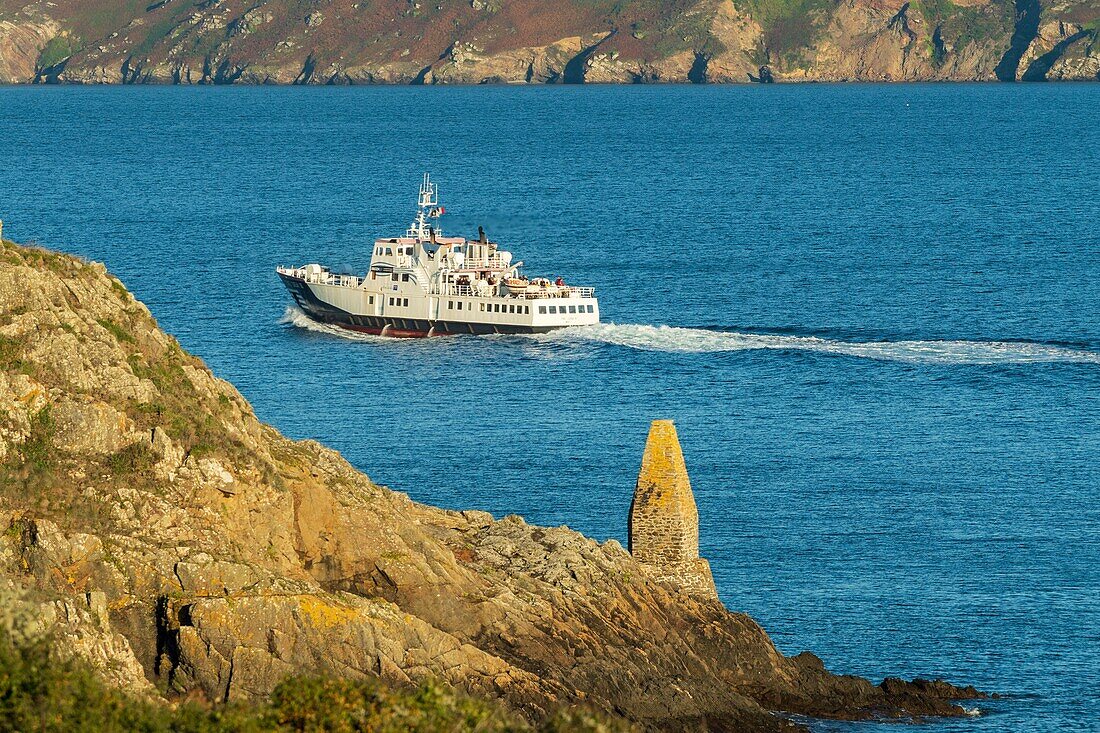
[(150, 524), (526, 41)]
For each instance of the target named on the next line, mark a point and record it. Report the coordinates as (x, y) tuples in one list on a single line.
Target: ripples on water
[(873, 311)]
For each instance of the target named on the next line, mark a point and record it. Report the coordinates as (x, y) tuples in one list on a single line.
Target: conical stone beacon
[(663, 530)]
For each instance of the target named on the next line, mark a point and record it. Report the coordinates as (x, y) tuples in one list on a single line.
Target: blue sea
[(872, 311)]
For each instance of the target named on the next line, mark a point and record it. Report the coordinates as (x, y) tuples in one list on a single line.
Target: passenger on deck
[(560, 282)]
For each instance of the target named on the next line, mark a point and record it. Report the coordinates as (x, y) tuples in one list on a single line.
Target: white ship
[(426, 284)]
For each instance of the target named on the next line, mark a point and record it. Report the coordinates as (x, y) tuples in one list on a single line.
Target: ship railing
[(558, 291), (327, 278), (554, 291), (464, 290), (344, 281), (484, 263), (324, 277)]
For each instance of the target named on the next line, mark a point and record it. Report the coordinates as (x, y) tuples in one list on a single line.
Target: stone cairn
[(663, 530)]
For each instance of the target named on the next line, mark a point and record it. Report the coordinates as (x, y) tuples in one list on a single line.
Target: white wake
[(673, 339), (295, 317), (699, 340)]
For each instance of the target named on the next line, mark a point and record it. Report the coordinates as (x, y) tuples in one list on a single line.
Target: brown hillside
[(526, 41)]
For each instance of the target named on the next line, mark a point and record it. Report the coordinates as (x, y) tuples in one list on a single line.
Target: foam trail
[(673, 339), (295, 317), (697, 340)]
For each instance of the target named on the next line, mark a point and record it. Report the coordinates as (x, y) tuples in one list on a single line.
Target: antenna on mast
[(427, 206)]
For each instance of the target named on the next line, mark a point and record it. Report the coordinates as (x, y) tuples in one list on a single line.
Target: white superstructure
[(426, 284)]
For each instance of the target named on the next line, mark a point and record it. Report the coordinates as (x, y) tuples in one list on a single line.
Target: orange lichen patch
[(663, 477), (33, 394), (323, 614)]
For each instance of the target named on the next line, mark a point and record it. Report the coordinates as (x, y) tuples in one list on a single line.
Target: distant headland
[(163, 543), (527, 42)]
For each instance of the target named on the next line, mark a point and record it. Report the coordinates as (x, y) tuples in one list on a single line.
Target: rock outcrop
[(528, 42), (163, 533), (21, 45)]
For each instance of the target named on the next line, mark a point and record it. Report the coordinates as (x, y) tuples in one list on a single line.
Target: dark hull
[(324, 312)]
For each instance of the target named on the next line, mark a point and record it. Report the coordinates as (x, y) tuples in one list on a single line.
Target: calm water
[(882, 346)]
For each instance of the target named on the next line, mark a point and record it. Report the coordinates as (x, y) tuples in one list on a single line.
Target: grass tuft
[(117, 331), (135, 458)]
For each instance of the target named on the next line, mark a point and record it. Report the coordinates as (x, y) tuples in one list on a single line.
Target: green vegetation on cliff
[(790, 26), (57, 50), (41, 692)]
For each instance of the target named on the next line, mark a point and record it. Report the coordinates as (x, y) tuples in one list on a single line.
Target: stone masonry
[(663, 530)]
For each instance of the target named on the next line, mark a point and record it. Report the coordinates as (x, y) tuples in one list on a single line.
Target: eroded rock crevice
[(1028, 13), (577, 67), (900, 23), (309, 67), (698, 72), (1038, 69)]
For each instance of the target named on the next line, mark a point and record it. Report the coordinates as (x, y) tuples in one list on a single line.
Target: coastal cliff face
[(152, 526), (523, 41)]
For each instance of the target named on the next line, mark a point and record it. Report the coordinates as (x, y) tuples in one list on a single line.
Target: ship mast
[(427, 207)]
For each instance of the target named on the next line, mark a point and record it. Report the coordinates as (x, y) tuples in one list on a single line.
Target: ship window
[(481, 307), (373, 275), (391, 301), (450, 305), (511, 309), (389, 251), (590, 309), (405, 278), (370, 300), (542, 309), (526, 310), (405, 302), (572, 309), (460, 305), (553, 309), (393, 277)]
